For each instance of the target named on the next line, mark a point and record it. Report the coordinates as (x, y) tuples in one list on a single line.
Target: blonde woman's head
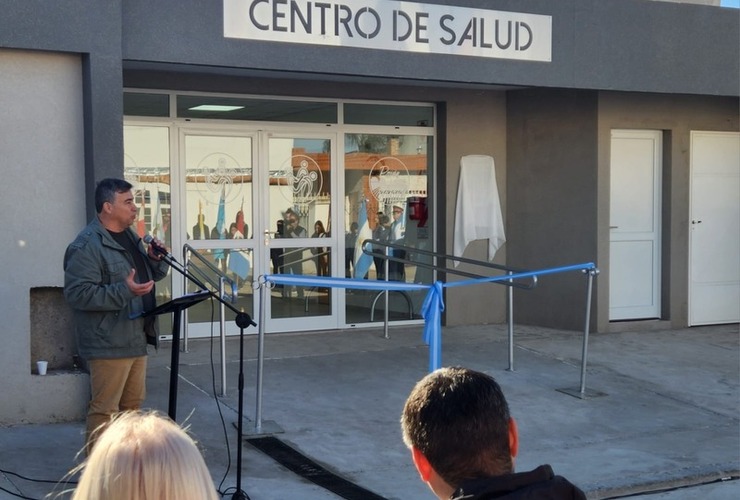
[(145, 456)]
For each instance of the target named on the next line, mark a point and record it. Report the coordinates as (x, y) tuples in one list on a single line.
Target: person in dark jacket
[(109, 282), (381, 233), (293, 257), (463, 441)]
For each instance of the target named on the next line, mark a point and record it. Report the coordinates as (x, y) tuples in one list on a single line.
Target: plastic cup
[(42, 366)]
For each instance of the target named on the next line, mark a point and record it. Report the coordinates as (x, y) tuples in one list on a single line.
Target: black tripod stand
[(242, 320)]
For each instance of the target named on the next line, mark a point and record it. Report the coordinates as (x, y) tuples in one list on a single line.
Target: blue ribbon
[(432, 309)]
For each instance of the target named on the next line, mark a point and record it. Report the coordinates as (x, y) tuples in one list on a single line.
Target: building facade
[(612, 127)]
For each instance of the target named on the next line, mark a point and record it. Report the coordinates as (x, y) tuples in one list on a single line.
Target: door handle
[(267, 236), (613, 227), (696, 222)]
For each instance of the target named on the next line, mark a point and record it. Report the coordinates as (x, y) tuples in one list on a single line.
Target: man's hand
[(152, 253), (138, 288)]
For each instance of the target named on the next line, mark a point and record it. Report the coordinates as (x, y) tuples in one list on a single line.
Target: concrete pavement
[(667, 420)]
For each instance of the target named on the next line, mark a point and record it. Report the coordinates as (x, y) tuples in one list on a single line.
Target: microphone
[(158, 249)]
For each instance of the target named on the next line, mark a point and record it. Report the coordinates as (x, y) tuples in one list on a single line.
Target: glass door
[(386, 179), (256, 204), (298, 216), (217, 213), (255, 194)]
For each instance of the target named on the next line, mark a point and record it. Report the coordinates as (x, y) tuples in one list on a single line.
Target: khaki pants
[(116, 385)]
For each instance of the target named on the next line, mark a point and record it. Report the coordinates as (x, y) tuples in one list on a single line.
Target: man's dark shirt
[(539, 484)]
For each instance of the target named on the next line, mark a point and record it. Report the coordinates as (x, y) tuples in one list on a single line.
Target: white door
[(635, 224), (714, 255)]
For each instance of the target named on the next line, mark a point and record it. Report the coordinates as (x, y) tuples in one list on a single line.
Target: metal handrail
[(402, 293), (435, 343), (220, 284), (304, 259), (444, 269), (367, 248), (300, 250), (189, 250)]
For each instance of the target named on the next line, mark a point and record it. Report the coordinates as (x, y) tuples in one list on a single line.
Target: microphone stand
[(242, 320)]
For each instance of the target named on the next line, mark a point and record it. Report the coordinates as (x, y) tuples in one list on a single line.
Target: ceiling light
[(215, 107)]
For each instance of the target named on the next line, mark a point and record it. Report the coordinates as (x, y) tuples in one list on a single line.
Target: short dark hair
[(459, 420), (106, 191)]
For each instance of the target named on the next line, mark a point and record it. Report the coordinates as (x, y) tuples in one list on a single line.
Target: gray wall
[(476, 125), (552, 199), (90, 29), (558, 192), (42, 161), (60, 132), (676, 116), (633, 45)]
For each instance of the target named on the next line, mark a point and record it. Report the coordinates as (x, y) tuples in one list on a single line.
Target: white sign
[(392, 25)]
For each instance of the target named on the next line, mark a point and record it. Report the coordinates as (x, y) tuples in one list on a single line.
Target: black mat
[(310, 470)]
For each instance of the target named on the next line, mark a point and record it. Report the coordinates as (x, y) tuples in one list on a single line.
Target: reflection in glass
[(209, 266), (386, 192), (289, 301), (300, 184), (388, 114), (142, 104), (146, 165), (218, 206), (300, 204), (321, 254), (219, 187)]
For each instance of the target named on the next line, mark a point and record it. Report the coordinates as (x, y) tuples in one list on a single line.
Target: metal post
[(221, 281), (387, 292), (260, 357), (584, 355), (185, 312), (510, 315), (580, 392)]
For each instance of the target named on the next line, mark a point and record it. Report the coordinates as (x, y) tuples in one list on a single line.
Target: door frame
[(261, 219), (263, 224), (653, 310)]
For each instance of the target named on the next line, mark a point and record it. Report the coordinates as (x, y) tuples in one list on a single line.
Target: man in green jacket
[(109, 281)]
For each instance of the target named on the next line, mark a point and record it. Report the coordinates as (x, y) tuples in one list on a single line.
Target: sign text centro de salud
[(392, 25)]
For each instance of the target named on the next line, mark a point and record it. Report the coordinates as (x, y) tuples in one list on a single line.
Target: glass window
[(146, 165), (385, 197), (270, 110), (388, 114), (136, 104), (387, 182)]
